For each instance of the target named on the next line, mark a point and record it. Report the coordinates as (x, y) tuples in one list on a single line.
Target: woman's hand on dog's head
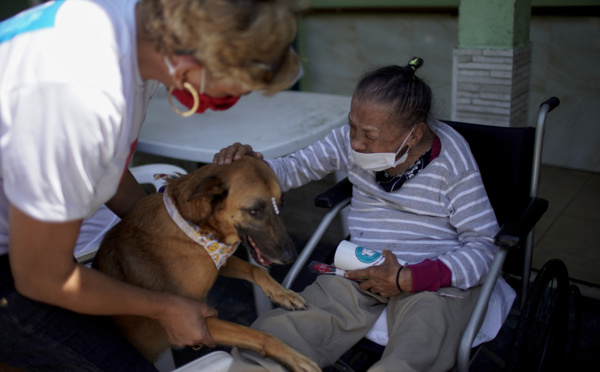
[(235, 152), (184, 321)]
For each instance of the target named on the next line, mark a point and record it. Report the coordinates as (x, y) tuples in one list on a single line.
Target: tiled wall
[(565, 53), (491, 86)]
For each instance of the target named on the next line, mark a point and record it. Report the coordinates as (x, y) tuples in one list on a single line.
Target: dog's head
[(240, 201)]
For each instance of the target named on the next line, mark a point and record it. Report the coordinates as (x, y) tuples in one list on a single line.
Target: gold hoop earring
[(194, 94)]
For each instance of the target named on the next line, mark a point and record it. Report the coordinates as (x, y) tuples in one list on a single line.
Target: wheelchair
[(509, 161)]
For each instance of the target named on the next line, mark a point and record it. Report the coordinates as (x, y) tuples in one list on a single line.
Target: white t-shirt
[(72, 103)]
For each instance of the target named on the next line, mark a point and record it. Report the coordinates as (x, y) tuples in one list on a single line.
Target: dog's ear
[(212, 188), (198, 204)]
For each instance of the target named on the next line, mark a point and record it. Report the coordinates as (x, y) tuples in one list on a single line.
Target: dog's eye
[(257, 213)]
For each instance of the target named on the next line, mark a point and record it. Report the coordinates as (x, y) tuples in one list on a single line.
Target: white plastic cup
[(350, 256)]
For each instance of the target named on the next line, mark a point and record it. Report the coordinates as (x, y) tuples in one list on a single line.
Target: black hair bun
[(415, 63)]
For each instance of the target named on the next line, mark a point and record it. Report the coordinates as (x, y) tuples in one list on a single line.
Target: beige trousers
[(425, 328)]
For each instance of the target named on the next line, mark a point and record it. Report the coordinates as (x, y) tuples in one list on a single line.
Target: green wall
[(501, 24), (316, 4), (494, 24)]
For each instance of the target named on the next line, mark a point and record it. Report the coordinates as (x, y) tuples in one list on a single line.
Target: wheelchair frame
[(543, 322)]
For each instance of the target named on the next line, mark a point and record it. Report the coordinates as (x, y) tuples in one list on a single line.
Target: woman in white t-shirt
[(75, 82)]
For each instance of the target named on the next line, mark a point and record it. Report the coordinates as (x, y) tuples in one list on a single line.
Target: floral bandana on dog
[(218, 251)]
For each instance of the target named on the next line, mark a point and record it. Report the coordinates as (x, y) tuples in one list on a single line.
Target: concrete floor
[(570, 229)]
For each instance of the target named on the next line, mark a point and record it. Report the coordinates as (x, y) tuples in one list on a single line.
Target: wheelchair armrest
[(512, 233), (334, 195)]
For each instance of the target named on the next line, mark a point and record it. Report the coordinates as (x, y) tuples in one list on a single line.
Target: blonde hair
[(245, 42)]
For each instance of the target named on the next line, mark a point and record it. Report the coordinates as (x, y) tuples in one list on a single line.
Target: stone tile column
[(491, 69), (491, 86)]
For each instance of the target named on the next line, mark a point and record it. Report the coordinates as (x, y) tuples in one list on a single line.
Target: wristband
[(398, 279)]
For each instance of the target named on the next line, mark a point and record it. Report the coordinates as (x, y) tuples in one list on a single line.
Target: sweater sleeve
[(313, 162), (430, 275), (472, 216)]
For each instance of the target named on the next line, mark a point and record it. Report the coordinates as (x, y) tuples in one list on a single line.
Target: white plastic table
[(273, 125)]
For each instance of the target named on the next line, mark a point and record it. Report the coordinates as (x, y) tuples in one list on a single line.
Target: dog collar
[(218, 251)]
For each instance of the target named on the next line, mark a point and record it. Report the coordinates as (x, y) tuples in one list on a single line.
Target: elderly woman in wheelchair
[(418, 196)]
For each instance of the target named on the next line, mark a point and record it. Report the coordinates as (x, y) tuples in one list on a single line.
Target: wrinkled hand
[(235, 152), (184, 322), (381, 279)]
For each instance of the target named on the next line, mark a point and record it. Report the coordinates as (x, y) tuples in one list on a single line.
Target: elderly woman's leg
[(339, 315), (425, 330)]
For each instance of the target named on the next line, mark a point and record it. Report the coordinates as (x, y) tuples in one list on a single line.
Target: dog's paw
[(304, 365), (298, 362), (288, 299)]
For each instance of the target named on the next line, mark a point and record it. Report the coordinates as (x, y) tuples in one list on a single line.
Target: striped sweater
[(443, 213)]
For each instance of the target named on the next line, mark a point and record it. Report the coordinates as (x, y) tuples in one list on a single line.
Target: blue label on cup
[(366, 255)]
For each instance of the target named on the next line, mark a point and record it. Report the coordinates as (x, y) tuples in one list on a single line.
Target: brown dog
[(237, 202)]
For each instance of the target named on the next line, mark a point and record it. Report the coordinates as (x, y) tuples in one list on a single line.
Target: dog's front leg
[(240, 269), (231, 334)]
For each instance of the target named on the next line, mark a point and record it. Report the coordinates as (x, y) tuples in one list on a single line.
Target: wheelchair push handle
[(552, 103)]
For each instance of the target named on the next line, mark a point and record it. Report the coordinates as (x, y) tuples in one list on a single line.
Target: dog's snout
[(288, 252), (289, 255)]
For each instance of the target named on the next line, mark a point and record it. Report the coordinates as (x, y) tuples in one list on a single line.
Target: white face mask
[(379, 161)]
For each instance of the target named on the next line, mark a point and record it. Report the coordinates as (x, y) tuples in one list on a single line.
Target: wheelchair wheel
[(541, 334), (575, 322)]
